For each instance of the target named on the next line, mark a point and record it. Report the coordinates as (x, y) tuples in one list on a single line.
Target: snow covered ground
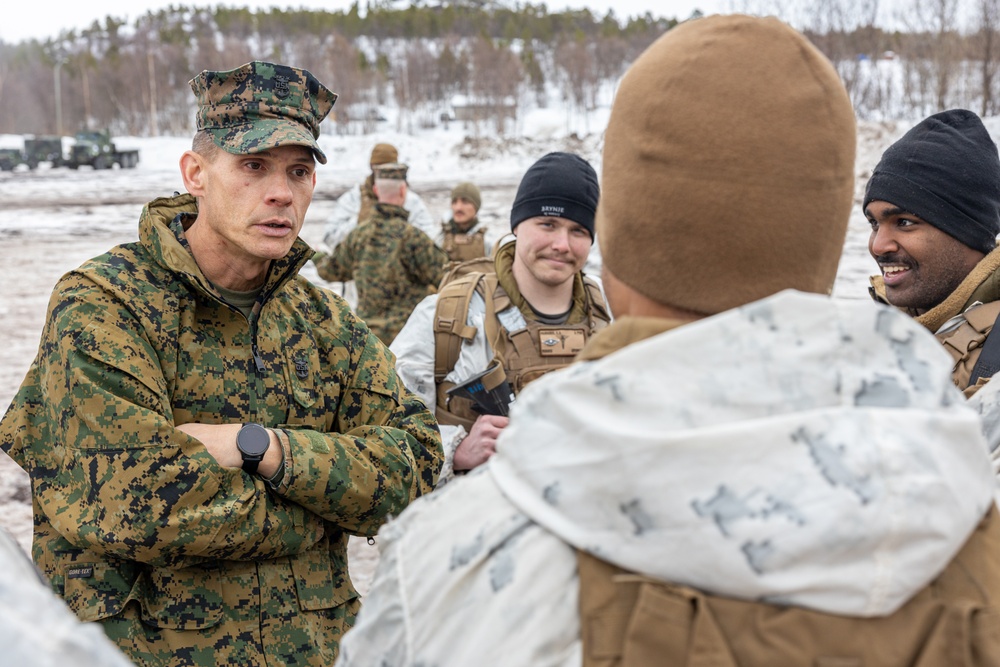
[(53, 219)]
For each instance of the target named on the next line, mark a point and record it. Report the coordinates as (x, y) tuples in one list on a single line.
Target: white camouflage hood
[(798, 450)]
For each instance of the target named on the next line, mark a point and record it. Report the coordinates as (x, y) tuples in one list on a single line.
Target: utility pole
[(58, 81)]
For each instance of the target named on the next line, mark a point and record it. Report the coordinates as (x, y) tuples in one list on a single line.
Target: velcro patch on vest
[(80, 572), (561, 342)]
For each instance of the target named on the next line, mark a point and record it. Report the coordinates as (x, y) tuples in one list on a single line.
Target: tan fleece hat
[(728, 168), (383, 154)]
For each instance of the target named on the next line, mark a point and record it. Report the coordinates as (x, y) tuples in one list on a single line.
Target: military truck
[(43, 149), (36, 150), (10, 158), (97, 150)]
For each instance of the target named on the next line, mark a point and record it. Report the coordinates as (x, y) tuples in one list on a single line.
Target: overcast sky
[(38, 19)]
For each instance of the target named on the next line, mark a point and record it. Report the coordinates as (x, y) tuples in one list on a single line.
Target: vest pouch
[(97, 591), (321, 578), (530, 353), (188, 598), (528, 375)]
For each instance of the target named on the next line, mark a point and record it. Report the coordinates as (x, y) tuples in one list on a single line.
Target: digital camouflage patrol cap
[(391, 171), (260, 106)]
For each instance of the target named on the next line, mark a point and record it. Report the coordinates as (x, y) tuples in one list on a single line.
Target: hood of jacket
[(798, 450), (161, 228)]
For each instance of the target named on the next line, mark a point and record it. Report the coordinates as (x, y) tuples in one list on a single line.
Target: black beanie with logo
[(946, 171), (560, 185)]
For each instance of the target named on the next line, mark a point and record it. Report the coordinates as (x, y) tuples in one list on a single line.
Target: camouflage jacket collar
[(161, 232), (386, 211)]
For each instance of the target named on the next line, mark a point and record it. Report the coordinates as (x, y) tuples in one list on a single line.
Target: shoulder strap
[(455, 271), (450, 317), (597, 309), (988, 363)]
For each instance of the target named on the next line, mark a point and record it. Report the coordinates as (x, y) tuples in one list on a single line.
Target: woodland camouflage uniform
[(394, 264), (136, 525)]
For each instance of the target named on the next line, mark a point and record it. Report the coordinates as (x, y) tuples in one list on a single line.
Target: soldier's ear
[(193, 172)]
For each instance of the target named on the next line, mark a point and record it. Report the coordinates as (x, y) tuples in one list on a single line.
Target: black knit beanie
[(560, 185), (947, 172)]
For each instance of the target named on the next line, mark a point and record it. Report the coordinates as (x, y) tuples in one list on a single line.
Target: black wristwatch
[(252, 441)]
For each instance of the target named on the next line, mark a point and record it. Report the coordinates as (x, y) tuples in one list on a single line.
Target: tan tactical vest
[(965, 343), (463, 247), (627, 620), (525, 355)]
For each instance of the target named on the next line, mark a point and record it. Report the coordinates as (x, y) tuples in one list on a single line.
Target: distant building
[(497, 111)]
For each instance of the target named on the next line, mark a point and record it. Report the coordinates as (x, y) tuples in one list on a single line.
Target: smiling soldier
[(202, 426), (933, 203)]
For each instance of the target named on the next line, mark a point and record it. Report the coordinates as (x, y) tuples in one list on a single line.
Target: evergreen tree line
[(132, 78), (476, 60)]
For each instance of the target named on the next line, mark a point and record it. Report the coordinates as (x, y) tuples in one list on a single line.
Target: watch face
[(253, 440)]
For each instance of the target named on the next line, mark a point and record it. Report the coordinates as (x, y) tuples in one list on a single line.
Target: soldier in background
[(357, 204), (394, 264), (202, 426), (464, 237)]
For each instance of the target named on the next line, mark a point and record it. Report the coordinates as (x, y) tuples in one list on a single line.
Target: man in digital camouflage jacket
[(203, 428)]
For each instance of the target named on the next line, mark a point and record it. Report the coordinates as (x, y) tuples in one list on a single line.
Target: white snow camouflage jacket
[(798, 450)]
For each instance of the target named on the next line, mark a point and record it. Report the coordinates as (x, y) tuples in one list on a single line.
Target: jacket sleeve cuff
[(279, 483)]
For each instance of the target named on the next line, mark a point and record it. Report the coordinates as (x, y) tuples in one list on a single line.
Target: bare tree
[(342, 67), (413, 82), (986, 42), (495, 82), (847, 33), (938, 53), (576, 60)]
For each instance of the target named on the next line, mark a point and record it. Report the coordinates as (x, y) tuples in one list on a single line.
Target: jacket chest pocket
[(308, 390)]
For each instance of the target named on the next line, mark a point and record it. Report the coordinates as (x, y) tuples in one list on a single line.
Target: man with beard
[(933, 203), (464, 236)]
